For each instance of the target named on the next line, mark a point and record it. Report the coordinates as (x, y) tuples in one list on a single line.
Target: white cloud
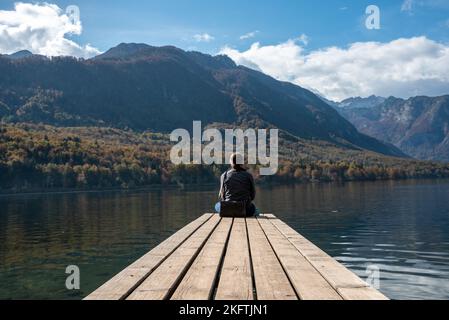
[(41, 29), (204, 37), (413, 5), (407, 6), (249, 35), (435, 4), (304, 39), (402, 68)]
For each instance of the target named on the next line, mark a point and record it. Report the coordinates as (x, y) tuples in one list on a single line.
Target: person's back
[(238, 185)]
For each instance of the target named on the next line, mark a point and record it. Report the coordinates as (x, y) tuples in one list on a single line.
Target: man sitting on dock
[(237, 185)]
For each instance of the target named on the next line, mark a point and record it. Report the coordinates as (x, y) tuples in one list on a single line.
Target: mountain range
[(419, 126), (359, 102), (159, 89)]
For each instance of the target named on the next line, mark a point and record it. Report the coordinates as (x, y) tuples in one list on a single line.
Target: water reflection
[(402, 227)]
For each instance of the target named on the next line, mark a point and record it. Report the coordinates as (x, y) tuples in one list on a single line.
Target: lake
[(401, 228)]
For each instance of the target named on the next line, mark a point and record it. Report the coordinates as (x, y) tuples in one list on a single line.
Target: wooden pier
[(236, 259)]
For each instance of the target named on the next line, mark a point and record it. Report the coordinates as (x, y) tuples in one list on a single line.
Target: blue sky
[(326, 23), (321, 45)]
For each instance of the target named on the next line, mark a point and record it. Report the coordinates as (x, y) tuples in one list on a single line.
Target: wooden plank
[(198, 283), (334, 272), (121, 285), (235, 280), (270, 279), (366, 293), (162, 281), (307, 281), (337, 274)]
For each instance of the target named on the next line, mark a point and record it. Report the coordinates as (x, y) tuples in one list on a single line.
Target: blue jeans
[(250, 211)]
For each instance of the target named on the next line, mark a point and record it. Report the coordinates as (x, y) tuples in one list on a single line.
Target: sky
[(324, 46)]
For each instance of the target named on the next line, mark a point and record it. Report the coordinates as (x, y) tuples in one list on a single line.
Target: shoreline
[(6, 193)]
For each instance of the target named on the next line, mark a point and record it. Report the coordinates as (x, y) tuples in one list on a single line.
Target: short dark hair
[(235, 159)]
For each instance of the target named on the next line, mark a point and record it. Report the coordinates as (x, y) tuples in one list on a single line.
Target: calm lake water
[(400, 227)]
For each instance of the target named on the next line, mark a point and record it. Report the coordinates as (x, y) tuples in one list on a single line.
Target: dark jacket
[(237, 185)]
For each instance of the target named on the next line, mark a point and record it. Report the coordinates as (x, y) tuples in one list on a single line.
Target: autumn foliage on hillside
[(36, 157)]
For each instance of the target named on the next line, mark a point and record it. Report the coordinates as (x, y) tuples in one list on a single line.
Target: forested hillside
[(160, 89), (36, 157)]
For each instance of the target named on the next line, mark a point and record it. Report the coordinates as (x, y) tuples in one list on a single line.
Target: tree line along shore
[(40, 157)]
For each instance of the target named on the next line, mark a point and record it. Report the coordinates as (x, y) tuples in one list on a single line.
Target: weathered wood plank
[(334, 272), (121, 285), (285, 265), (162, 281), (270, 279), (235, 280), (366, 293), (337, 274), (198, 283), (307, 281)]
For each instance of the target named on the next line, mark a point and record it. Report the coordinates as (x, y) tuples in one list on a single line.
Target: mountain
[(419, 126), (142, 87), (20, 54), (124, 50), (354, 102), (358, 102), (331, 103)]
